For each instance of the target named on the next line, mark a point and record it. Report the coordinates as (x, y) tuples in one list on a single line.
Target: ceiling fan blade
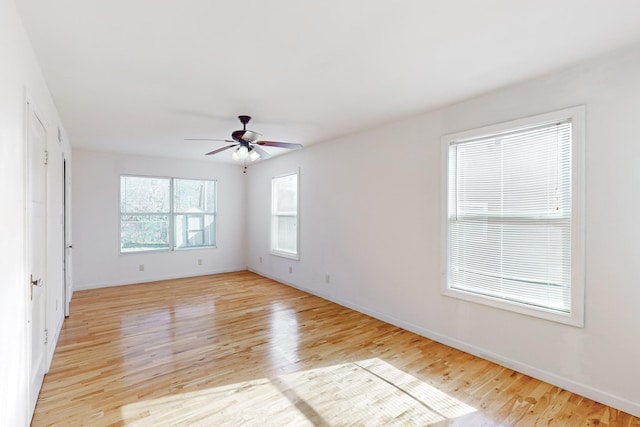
[(220, 149), (280, 144), (250, 135), (207, 139), (263, 153)]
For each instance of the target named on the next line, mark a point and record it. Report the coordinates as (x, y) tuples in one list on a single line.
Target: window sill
[(192, 248), (572, 319), (287, 255)]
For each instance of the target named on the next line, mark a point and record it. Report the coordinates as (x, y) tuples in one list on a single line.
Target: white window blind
[(509, 215)]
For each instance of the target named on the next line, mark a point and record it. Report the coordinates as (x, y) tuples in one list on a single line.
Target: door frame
[(66, 213)]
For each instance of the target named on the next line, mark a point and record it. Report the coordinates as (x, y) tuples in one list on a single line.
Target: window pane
[(286, 194), (526, 173), (192, 195), (144, 233), (194, 230), (522, 261), (144, 195), (284, 214), (286, 229)]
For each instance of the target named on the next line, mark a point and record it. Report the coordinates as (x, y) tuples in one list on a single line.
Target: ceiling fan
[(248, 143)]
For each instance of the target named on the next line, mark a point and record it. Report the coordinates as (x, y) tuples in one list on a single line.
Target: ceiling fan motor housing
[(237, 136)]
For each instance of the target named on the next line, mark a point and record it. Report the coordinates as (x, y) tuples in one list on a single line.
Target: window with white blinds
[(511, 219)]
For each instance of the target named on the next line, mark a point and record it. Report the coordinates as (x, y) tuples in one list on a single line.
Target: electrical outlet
[(260, 260), (290, 270), (327, 279), (141, 268), (199, 262)]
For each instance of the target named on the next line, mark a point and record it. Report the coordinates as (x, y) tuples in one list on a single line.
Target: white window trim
[(576, 316), (285, 254)]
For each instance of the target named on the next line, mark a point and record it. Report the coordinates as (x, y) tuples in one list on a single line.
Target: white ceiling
[(139, 76)]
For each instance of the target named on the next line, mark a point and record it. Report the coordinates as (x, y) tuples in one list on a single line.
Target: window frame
[(172, 214), (575, 316), (273, 216)]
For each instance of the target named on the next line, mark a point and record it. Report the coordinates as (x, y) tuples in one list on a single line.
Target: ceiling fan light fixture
[(234, 155), (242, 152), (253, 155)]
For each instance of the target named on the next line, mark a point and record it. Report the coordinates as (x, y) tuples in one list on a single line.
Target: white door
[(36, 253)]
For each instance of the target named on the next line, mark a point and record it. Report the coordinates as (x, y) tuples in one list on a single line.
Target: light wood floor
[(240, 349)]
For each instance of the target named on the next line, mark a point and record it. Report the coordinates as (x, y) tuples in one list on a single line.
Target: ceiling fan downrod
[(244, 120)]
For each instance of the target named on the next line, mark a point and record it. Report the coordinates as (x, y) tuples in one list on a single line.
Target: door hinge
[(46, 336), (46, 157)]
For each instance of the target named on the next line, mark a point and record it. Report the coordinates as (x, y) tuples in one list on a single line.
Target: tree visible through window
[(145, 210), (166, 213)]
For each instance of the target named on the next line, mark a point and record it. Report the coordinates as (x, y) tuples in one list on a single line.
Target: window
[(194, 213), (284, 216), (145, 212), (166, 213), (513, 216)]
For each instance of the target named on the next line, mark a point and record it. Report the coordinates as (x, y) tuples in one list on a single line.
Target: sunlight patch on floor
[(367, 392)]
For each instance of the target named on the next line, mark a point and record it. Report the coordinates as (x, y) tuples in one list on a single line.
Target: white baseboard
[(124, 282), (585, 390), (53, 339)]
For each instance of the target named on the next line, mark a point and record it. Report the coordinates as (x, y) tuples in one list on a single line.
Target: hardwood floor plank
[(240, 349)]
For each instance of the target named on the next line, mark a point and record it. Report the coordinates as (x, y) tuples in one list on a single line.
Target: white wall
[(19, 73), (370, 218), (96, 221)]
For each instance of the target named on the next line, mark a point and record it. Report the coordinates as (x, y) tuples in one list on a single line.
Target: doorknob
[(36, 282)]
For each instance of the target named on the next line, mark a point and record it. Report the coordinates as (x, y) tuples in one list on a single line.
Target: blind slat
[(510, 216)]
